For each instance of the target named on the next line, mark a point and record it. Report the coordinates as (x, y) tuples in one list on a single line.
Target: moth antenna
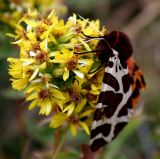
[(99, 38), (81, 53), (93, 37), (91, 40), (90, 24)]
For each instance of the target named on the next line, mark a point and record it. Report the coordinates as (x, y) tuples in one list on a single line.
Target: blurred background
[(25, 135)]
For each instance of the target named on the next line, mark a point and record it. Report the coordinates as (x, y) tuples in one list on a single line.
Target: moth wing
[(114, 108)]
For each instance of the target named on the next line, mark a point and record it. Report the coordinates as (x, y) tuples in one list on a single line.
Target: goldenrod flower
[(52, 73), (19, 72), (71, 62), (74, 118), (46, 98), (77, 109)]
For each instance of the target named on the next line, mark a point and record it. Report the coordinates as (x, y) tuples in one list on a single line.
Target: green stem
[(60, 144), (103, 154)]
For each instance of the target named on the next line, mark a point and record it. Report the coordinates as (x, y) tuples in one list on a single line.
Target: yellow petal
[(57, 61), (19, 84), (17, 42), (58, 94), (46, 107), (86, 61), (44, 45), (43, 66), (11, 35), (32, 36), (65, 51), (34, 74), (70, 109), (73, 129), (85, 127), (59, 103), (93, 87), (78, 73), (81, 105), (85, 44), (33, 104), (32, 87), (86, 113), (32, 96), (51, 14), (95, 92), (27, 61), (66, 75), (58, 120)]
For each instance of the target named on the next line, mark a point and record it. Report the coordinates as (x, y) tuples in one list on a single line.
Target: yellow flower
[(57, 77), (72, 63), (19, 72), (90, 28), (74, 119), (47, 98), (73, 112)]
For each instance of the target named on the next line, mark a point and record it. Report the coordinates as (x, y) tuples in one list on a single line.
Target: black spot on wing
[(129, 105), (112, 100), (135, 67), (124, 64), (111, 81), (118, 128), (120, 68), (116, 68), (97, 143), (140, 83), (126, 81), (99, 113), (143, 81), (136, 92), (124, 110), (110, 64), (104, 129)]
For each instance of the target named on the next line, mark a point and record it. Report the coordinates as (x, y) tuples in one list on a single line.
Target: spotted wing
[(115, 104)]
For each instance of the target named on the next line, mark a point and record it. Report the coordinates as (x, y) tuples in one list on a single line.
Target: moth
[(120, 92)]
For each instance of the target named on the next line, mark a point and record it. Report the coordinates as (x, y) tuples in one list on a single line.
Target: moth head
[(120, 42)]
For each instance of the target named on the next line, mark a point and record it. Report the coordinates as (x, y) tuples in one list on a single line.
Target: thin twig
[(60, 144)]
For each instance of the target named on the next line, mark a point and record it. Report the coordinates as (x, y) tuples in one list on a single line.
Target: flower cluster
[(53, 72), (11, 11)]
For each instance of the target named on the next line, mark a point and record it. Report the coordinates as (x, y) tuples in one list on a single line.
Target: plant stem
[(60, 144)]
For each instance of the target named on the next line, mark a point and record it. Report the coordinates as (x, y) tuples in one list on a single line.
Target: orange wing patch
[(137, 78)]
